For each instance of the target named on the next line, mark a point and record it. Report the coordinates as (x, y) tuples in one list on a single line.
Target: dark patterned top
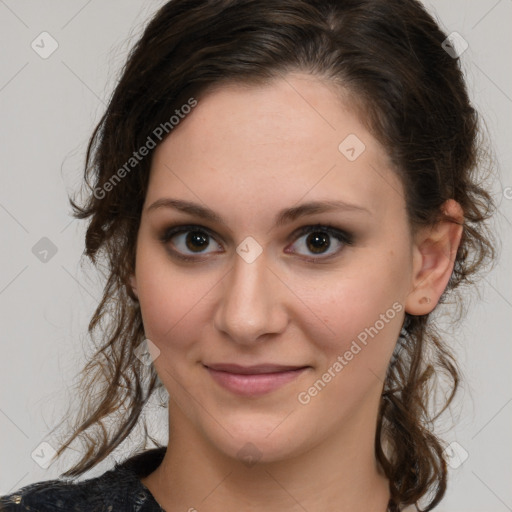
[(116, 490)]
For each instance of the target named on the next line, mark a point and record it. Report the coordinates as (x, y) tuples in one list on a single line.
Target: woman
[(283, 192)]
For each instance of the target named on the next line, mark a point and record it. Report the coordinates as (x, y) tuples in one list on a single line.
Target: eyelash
[(341, 235)]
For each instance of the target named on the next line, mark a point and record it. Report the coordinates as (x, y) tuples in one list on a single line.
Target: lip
[(253, 380), (254, 369)]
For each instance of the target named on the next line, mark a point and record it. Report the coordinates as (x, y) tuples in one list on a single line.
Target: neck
[(340, 474)]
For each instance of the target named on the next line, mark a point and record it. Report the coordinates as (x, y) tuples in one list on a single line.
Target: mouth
[(253, 380)]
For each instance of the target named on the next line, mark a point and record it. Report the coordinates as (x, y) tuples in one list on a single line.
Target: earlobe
[(133, 285), (435, 250)]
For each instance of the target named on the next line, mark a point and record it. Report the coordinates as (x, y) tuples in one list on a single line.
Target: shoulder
[(43, 496), (38, 496), (95, 494), (117, 489)]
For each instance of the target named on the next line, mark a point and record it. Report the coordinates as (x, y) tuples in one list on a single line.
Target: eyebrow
[(283, 217)]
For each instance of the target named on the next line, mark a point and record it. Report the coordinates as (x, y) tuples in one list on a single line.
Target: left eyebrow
[(283, 217)]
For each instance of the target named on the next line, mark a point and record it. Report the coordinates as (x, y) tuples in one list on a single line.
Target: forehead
[(259, 146)]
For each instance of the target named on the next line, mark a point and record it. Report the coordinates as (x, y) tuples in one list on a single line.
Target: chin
[(253, 441)]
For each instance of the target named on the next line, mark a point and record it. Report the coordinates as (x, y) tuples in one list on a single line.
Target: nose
[(252, 303)]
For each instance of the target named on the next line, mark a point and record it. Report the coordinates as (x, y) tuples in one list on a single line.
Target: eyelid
[(178, 228), (345, 237), (342, 235), (339, 233)]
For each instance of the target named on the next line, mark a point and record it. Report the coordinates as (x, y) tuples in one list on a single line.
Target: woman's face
[(257, 292)]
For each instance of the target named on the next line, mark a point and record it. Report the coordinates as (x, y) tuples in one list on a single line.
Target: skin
[(247, 153)]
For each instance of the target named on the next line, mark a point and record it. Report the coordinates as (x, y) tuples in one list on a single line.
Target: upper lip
[(248, 370)]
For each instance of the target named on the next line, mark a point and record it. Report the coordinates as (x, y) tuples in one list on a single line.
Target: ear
[(434, 252), (133, 284)]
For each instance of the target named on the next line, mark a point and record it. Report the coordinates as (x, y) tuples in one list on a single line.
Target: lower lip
[(254, 384)]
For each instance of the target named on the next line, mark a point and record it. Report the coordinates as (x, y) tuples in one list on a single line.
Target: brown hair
[(388, 55)]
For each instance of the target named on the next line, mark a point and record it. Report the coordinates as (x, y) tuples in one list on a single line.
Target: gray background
[(48, 110)]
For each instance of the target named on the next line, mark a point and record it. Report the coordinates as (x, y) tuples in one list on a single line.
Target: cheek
[(168, 309), (353, 316), (165, 295), (360, 313), (353, 363)]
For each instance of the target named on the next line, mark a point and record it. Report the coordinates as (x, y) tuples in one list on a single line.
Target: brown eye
[(187, 240), (196, 240), (318, 240)]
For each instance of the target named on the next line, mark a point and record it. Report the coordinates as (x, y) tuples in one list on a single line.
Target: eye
[(317, 240), (193, 239)]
